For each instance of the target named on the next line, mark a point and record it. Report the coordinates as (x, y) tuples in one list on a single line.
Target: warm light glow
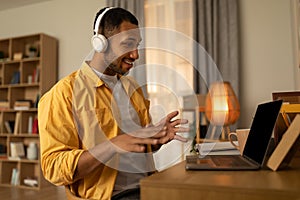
[(219, 103), (222, 106), (220, 109)]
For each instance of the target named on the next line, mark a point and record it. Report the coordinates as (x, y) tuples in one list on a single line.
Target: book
[(17, 150), (289, 97), (9, 125), (22, 104), (287, 147), (217, 148), (15, 177), (30, 124), (4, 105), (3, 156), (37, 99), (17, 123), (35, 129), (35, 75), (15, 78)]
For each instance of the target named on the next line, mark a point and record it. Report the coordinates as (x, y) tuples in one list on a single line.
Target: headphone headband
[(98, 21)]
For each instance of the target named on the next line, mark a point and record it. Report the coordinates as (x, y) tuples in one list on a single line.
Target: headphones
[(99, 41)]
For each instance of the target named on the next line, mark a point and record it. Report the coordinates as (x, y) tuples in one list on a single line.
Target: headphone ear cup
[(99, 43)]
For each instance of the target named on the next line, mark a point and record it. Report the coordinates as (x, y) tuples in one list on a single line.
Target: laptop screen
[(261, 130)]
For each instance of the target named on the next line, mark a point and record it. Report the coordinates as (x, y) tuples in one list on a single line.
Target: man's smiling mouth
[(128, 62)]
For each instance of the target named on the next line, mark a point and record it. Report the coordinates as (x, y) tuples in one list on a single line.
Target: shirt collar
[(88, 71), (94, 78)]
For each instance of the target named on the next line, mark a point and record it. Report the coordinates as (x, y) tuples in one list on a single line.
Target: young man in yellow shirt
[(95, 128)]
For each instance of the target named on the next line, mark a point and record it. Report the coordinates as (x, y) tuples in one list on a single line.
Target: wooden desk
[(177, 183)]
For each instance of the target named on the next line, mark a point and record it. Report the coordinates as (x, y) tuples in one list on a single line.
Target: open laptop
[(255, 148)]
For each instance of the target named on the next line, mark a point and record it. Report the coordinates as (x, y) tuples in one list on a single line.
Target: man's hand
[(172, 127), (161, 133)]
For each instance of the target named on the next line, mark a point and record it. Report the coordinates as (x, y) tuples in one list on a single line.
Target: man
[(95, 128)]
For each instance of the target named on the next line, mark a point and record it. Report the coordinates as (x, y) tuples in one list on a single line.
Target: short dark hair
[(113, 18)]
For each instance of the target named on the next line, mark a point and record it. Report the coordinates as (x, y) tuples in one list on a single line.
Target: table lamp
[(222, 107)]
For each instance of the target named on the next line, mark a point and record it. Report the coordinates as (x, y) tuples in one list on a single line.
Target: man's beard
[(112, 67)]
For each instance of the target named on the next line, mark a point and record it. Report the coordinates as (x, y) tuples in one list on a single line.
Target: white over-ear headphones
[(99, 41)]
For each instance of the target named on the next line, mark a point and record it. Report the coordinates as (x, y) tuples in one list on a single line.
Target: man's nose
[(134, 54)]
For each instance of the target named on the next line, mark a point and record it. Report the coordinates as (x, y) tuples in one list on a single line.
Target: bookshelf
[(28, 68)]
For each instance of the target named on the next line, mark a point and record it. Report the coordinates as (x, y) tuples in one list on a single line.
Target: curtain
[(216, 30), (136, 7)]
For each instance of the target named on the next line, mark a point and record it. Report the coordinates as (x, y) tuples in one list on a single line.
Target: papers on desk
[(217, 148)]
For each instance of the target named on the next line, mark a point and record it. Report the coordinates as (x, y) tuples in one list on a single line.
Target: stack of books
[(4, 105), (22, 104)]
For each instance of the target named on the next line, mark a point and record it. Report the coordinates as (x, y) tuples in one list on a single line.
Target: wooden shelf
[(25, 78)]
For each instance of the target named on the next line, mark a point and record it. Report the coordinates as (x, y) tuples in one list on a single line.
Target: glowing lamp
[(222, 107)]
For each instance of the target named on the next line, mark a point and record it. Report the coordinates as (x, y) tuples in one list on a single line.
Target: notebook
[(255, 148)]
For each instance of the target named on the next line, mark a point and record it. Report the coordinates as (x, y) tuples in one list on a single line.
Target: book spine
[(35, 126), (17, 123), (30, 124), (15, 177)]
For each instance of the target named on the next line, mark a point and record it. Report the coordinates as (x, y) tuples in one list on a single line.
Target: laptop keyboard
[(235, 161), (224, 161)]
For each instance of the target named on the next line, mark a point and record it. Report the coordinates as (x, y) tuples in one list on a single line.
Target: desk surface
[(177, 183)]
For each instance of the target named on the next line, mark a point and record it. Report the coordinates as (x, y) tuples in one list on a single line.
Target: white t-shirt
[(129, 122)]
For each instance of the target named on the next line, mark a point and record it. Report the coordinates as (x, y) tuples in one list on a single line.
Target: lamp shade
[(221, 105)]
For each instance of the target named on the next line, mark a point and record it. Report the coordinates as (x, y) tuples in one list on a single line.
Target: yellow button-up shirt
[(75, 115)]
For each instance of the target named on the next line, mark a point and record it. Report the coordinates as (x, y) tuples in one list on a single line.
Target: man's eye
[(129, 45)]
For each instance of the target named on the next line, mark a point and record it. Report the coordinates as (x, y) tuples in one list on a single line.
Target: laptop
[(256, 146)]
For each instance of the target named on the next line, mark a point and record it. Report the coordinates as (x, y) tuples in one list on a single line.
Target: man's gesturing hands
[(158, 134)]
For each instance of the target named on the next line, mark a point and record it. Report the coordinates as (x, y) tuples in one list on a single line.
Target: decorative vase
[(32, 153)]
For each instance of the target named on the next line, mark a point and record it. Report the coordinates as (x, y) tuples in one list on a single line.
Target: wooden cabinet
[(28, 68)]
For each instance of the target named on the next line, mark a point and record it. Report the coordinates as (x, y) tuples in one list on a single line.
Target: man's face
[(122, 50)]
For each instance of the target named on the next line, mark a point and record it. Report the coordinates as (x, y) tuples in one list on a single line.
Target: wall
[(266, 40), (267, 45), (71, 21)]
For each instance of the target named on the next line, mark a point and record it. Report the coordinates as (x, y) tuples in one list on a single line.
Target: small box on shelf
[(18, 56)]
